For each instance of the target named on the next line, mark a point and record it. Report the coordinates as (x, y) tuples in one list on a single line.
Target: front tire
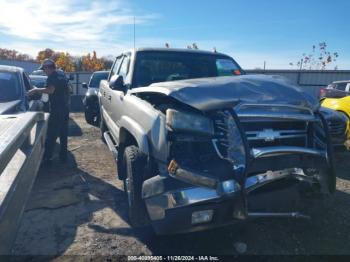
[(103, 128), (133, 165)]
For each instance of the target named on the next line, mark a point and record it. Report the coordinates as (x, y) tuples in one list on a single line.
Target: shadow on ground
[(74, 128)]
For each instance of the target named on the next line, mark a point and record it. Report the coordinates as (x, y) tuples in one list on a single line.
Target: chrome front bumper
[(157, 205)]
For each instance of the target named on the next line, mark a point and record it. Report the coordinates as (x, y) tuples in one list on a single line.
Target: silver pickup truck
[(200, 144)]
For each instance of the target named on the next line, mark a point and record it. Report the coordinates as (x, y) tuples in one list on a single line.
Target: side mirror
[(84, 85), (117, 83)]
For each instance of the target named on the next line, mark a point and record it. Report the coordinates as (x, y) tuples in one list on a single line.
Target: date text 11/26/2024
[(173, 258)]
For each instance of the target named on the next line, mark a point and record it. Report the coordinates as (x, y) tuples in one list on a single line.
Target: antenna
[(134, 33)]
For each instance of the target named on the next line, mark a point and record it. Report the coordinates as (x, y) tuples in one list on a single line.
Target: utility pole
[(264, 65), (134, 33), (299, 73)]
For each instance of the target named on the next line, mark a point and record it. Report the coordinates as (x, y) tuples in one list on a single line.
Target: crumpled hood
[(211, 93), (8, 107)]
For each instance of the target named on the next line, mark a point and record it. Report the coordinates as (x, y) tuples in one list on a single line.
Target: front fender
[(136, 131)]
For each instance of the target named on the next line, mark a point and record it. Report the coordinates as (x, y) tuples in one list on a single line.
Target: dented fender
[(134, 128)]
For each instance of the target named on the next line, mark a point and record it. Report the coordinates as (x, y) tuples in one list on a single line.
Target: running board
[(297, 215), (111, 145)]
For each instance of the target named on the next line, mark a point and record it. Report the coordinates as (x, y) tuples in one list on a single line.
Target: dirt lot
[(80, 208)]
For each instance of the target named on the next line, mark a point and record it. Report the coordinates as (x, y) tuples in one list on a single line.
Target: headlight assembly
[(188, 122)]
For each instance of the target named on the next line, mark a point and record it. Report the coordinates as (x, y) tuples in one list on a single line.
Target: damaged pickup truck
[(200, 144)]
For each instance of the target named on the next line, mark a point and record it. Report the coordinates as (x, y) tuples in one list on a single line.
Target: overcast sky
[(275, 31)]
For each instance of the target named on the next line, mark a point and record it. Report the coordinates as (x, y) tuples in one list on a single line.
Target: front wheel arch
[(343, 112), (125, 139)]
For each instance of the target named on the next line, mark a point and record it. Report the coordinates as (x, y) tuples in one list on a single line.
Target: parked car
[(92, 112), (337, 89), (200, 144), (38, 72), (14, 84), (38, 80), (39, 76), (338, 124), (337, 97)]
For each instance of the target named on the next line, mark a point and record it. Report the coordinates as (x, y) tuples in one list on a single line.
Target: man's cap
[(48, 62)]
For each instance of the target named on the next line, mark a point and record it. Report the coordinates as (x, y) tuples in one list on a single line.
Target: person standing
[(58, 89)]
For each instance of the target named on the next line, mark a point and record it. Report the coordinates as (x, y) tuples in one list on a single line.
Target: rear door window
[(124, 68), (226, 67), (116, 66), (341, 86)]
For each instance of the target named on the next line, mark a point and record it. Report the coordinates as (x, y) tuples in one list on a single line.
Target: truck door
[(117, 98), (106, 91)]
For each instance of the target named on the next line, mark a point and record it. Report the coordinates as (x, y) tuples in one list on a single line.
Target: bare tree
[(319, 58)]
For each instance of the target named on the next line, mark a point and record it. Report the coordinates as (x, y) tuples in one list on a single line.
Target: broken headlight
[(188, 122), (229, 143)]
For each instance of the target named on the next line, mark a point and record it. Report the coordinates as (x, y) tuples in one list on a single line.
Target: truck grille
[(262, 133), (282, 130)]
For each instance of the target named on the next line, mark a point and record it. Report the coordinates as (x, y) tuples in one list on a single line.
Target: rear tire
[(89, 117), (133, 166)]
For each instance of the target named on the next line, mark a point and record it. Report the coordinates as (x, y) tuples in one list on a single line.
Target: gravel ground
[(79, 208)]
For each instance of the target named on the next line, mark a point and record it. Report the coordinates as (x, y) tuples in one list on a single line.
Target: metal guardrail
[(22, 140)]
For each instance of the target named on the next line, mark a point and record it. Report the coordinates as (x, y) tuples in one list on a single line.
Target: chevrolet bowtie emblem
[(268, 135)]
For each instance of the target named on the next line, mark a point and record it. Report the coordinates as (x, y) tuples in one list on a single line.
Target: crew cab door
[(106, 93), (117, 96)]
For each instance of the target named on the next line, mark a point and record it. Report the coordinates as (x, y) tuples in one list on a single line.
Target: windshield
[(155, 67), (10, 88), (96, 79)]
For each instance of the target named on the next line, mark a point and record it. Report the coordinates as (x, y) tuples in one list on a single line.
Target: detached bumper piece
[(206, 206), (191, 177)]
